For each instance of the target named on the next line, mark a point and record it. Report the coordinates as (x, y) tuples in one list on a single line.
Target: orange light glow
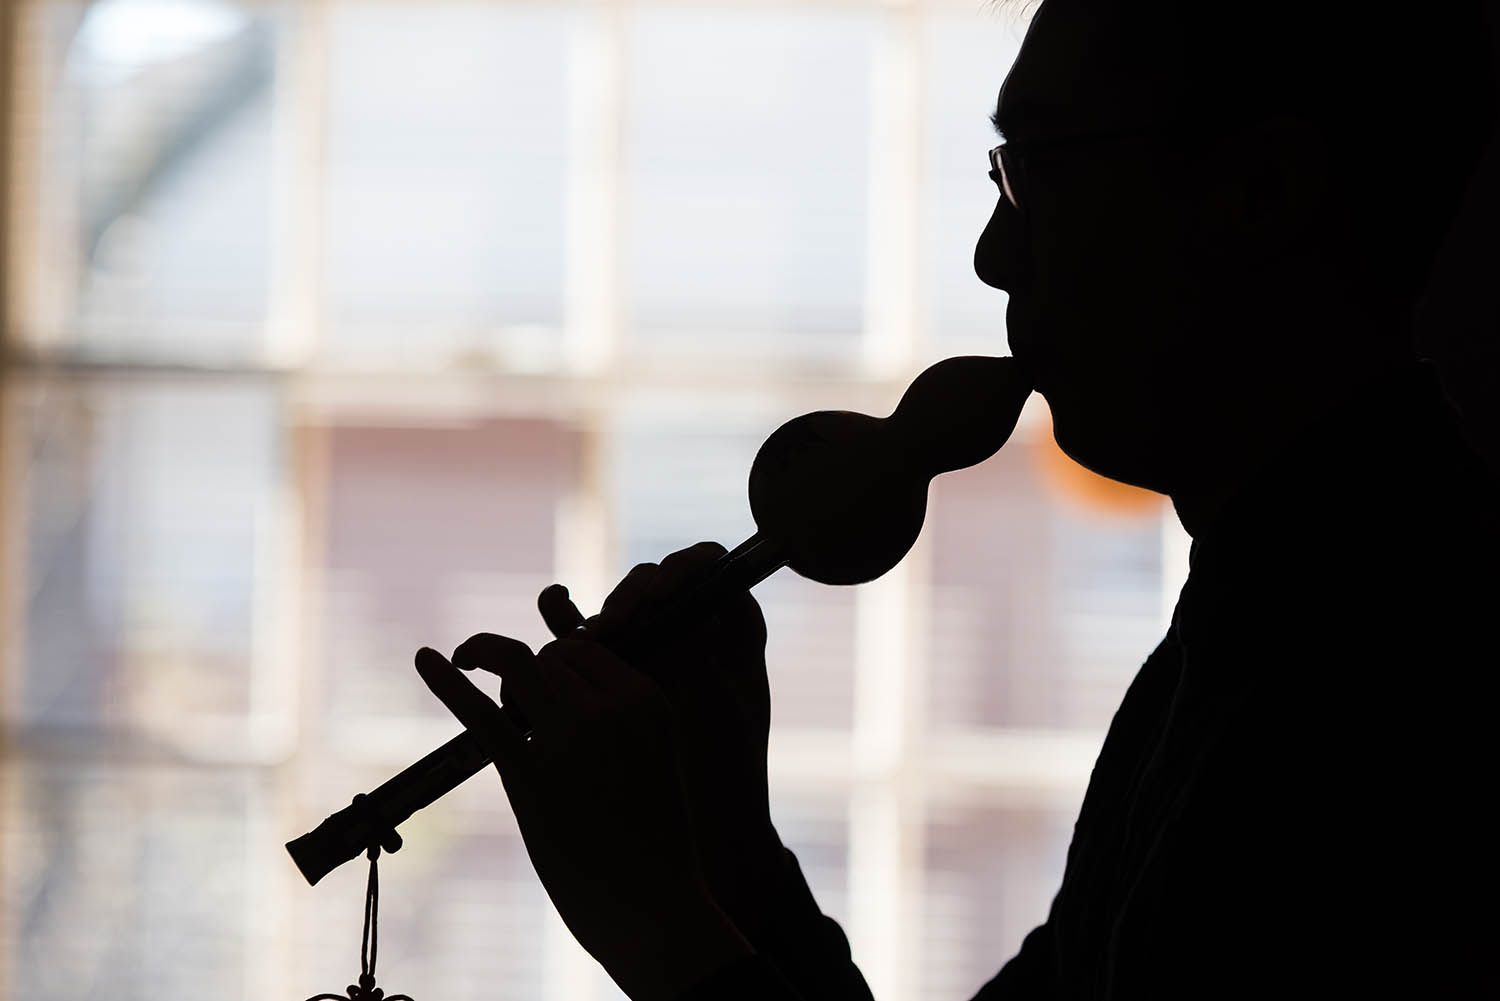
[(1081, 486)]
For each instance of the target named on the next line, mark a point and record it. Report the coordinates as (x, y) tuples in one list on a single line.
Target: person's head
[(1254, 190)]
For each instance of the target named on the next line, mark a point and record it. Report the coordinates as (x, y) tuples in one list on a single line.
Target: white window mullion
[(592, 282), (287, 667), (584, 544), (37, 251), (299, 140), (887, 825)]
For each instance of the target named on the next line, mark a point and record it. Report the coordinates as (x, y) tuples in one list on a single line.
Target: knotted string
[(369, 941), (366, 990)]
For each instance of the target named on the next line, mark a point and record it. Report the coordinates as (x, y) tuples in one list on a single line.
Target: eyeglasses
[(1007, 162), (1003, 167)]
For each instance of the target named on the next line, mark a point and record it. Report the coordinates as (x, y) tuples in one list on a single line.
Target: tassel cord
[(369, 942)]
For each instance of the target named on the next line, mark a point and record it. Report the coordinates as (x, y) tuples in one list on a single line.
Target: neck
[(1249, 420)]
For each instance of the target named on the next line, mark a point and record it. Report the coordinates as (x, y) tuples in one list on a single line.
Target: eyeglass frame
[(1010, 151)]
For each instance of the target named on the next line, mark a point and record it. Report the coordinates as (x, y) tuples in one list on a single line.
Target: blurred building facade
[(337, 329)]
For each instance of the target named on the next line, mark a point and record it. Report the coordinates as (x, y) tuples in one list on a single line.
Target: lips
[(1024, 368)]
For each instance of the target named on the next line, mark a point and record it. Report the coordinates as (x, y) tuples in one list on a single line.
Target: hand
[(714, 677), (598, 801)]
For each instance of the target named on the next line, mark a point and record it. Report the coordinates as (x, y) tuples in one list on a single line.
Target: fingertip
[(493, 654), (436, 673), (558, 611)]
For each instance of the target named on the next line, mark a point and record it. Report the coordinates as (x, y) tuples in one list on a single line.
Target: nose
[(997, 255)]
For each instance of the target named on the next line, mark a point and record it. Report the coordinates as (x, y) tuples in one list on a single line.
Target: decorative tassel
[(366, 990)]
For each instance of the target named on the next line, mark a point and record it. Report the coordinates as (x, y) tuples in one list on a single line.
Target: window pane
[(991, 873), (1042, 612), (809, 651), (150, 522), (745, 181), (433, 534), (128, 881), (447, 127), (816, 828), (156, 190)]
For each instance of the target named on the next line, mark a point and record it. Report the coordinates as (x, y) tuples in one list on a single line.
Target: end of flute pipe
[(311, 859), (341, 837)]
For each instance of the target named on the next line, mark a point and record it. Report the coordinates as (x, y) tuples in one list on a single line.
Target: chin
[(1100, 442)]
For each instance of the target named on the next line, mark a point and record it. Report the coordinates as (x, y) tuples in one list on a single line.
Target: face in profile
[(1093, 250)]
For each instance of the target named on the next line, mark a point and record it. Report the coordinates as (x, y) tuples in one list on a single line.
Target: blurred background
[(335, 329)]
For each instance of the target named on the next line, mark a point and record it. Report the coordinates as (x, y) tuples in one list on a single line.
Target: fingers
[(635, 588), (476, 711), (646, 581), (698, 555), (500, 655), (522, 687), (593, 665), (558, 611)]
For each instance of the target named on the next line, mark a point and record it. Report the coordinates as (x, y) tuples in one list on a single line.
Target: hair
[(1405, 95)]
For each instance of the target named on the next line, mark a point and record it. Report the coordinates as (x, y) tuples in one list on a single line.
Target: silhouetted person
[(1214, 222)]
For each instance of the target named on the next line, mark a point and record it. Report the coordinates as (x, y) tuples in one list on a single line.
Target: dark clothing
[(1292, 799)]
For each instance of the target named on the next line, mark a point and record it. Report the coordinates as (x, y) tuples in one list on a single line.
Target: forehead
[(1080, 68)]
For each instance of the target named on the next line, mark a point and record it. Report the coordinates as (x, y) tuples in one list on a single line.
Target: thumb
[(742, 619)]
